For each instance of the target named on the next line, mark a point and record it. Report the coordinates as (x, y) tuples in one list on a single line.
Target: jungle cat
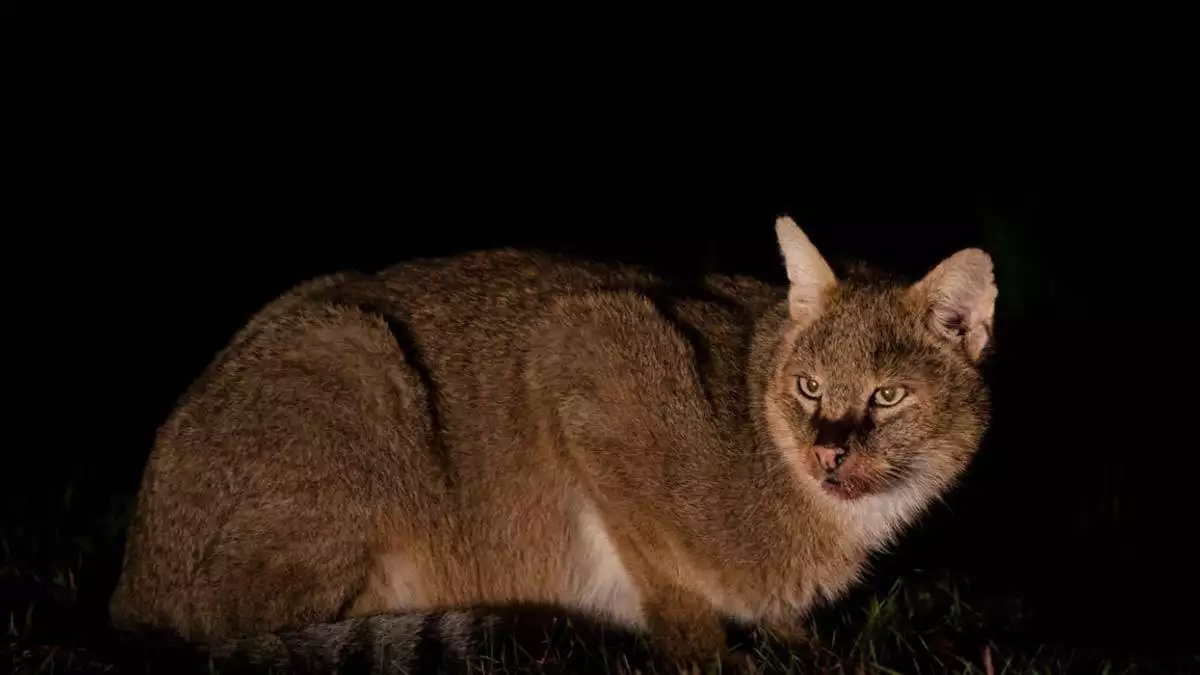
[(506, 427)]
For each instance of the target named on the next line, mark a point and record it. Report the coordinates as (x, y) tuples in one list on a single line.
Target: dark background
[(174, 191)]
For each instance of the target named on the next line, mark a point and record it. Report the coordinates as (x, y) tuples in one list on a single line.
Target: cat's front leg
[(688, 634), (790, 630)]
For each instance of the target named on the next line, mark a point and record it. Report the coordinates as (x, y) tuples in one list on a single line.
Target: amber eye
[(889, 396), (808, 386)]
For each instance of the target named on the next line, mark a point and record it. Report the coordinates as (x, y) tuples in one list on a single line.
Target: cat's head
[(875, 395)]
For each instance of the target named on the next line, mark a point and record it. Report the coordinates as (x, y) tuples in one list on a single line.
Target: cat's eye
[(808, 386), (889, 396)]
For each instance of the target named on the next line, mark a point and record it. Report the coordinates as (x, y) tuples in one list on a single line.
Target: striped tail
[(384, 644)]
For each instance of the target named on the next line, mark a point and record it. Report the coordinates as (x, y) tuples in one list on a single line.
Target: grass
[(59, 556)]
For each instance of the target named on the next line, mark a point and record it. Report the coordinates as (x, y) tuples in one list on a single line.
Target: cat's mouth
[(855, 484), (857, 475)]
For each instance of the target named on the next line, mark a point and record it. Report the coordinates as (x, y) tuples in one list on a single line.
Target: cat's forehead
[(862, 328)]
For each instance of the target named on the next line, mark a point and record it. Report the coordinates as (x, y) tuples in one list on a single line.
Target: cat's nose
[(829, 457)]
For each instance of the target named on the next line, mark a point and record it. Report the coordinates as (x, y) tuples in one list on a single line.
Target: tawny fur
[(505, 427)]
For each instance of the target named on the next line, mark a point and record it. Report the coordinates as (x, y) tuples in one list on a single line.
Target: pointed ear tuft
[(959, 296), (809, 275)]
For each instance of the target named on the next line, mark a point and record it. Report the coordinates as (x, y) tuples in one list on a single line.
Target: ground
[(60, 554)]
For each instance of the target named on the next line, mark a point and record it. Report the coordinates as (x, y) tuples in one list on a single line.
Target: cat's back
[(479, 308), (471, 315), (500, 283)]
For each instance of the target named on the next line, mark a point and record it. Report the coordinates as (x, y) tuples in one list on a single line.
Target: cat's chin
[(844, 491)]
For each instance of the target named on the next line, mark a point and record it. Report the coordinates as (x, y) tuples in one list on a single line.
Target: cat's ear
[(959, 299), (809, 276)]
